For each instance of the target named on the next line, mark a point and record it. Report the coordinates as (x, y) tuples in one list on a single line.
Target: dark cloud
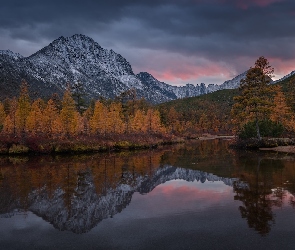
[(224, 32)]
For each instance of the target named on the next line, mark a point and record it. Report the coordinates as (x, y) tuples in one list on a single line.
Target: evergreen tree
[(79, 93), (254, 101)]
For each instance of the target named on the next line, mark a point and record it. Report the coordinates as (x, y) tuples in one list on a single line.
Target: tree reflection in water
[(60, 189), (256, 191)]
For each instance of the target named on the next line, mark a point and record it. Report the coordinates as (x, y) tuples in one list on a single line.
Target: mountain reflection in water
[(76, 193)]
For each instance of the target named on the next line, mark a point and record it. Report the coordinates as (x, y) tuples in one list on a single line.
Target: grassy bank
[(83, 144)]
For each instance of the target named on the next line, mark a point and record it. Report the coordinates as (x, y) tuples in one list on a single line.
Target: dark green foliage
[(79, 95), (216, 105), (267, 127)]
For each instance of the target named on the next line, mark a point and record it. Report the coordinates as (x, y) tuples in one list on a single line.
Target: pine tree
[(254, 102), (78, 93)]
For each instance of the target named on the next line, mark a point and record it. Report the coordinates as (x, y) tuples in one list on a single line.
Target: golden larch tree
[(115, 123), (35, 120), (2, 116), (68, 114), (280, 111), (23, 107), (9, 125), (138, 123), (52, 123), (153, 121), (99, 118)]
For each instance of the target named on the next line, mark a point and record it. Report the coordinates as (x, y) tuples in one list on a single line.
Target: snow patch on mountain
[(102, 72), (14, 56), (285, 77)]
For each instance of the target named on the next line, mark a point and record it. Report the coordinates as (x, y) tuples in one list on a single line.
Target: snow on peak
[(11, 54)]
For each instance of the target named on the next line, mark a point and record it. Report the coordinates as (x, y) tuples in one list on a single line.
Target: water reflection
[(76, 193)]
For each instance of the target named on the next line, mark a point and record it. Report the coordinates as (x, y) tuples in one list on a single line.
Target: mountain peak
[(102, 72), (11, 54)]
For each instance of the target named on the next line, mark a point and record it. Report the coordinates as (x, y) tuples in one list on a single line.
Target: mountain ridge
[(104, 73)]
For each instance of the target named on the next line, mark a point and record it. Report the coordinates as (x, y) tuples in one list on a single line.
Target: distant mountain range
[(103, 73)]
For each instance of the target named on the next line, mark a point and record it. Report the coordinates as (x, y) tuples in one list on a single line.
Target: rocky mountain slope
[(102, 72)]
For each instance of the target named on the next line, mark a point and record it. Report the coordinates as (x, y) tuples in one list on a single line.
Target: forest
[(257, 109)]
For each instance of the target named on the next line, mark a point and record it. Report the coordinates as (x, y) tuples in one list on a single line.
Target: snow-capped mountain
[(285, 77), (102, 72), (233, 83), (171, 92)]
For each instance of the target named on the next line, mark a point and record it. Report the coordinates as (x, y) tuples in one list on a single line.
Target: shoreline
[(36, 146), (281, 149)]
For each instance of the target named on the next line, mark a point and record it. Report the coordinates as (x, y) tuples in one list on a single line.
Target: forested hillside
[(208, 113)]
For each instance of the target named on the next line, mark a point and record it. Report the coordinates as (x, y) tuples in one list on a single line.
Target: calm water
[(200, 195)]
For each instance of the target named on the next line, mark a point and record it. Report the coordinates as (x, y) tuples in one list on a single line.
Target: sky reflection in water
[(229, 200)]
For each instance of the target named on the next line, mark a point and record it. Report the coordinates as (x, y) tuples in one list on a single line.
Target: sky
[(177, 41)]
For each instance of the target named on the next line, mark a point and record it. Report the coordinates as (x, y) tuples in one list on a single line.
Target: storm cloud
[(177, 41)]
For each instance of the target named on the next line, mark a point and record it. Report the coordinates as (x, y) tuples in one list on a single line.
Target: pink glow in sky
[(178, 42), (245, 4)]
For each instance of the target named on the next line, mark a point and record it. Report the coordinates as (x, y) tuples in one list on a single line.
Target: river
[(197, 195)]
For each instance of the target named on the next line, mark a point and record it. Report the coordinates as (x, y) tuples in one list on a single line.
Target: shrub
[(267, 127)]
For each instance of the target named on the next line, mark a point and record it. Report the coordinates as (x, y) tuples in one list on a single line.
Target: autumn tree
[(172, 119), (281, 113), (114, 120), (23, 107), (2, 115), (9, 125), (204, 122), (68, 114), (290, 95), (98, 120), (86, 119), (138, 123), (35, 120), (153, 121), (51, 120), (254, 101)]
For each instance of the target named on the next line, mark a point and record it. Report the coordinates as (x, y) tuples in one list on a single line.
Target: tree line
[(257, 109), (57, 118)]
